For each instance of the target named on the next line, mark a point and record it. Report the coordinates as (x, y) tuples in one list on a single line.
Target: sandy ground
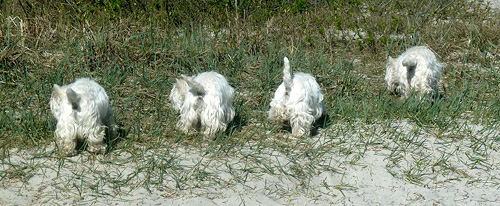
[(494, 3), (366, 175)]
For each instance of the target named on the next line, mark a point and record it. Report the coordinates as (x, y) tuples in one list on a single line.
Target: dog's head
[(63, 101), (391, 76), (391, 64), (178, 93)]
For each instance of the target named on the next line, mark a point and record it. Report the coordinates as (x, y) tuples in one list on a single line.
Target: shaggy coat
[(417, 70), (297, 101), (83, 113), (205, 103)]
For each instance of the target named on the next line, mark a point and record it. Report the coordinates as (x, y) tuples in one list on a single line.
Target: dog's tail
[(196, 87), (73, 98), (287, 76), (410, 61)]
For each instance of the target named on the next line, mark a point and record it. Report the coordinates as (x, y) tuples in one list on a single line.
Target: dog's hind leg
[(95, 140)]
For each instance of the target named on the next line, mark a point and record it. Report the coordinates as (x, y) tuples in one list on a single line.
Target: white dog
[(417, 69), (298, 101), (205, 102), (83, 113)]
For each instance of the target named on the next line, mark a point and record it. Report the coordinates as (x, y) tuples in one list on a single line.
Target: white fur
[(205, 103), (83, 113), (417, 70), (298, 100)]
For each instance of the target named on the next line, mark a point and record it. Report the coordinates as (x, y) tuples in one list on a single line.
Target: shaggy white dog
[(205, 103), (417, 70), (298, 101), (83, 113)]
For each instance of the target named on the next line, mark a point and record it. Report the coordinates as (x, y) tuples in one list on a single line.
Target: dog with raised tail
[(298, 101), (416, 70), (205, 103), (83, 113)]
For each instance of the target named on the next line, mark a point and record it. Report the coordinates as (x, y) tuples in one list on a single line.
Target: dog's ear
[(56, 88), (181, 84), (391, 61), (57, 91), (73, 98), (178, 81)]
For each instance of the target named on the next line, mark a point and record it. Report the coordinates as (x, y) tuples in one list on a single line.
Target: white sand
[(360, 177)]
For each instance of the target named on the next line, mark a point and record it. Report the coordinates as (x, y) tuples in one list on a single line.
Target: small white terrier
[(298, 101), (416, 69), (83, 113), (205, 102)]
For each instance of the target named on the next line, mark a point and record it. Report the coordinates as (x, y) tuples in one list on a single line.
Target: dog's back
[(419, 69), (91, 96), (214, 84), (419, 55), (218, 93)]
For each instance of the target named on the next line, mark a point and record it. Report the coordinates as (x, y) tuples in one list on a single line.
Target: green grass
[(137, 57)]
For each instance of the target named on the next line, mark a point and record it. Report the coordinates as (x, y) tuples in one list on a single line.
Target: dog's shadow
[(323, 122), (238, 122), (236, 125), (432, 98), (110, 140)]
